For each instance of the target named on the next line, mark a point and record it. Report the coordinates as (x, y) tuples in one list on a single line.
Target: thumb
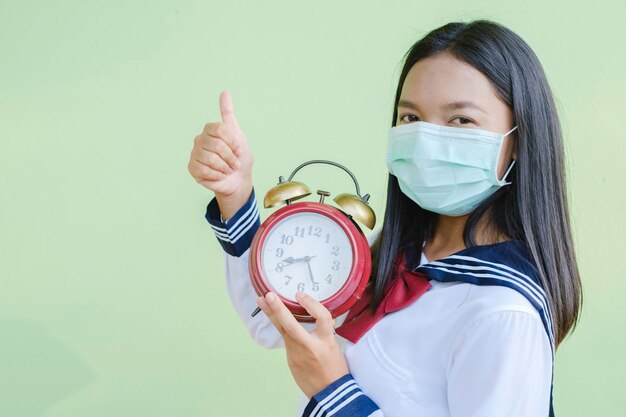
[(228, 110)]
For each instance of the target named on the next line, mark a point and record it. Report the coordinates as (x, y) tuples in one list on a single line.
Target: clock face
[(306, 252)]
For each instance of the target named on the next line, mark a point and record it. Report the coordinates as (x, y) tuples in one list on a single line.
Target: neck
[(447, 238)]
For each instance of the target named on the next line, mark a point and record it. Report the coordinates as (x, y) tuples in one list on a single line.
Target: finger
[(265, 308), (323, 318), (222, 131), (228, 110), (220, 148), (216, 155), (201, 172), (211, 159), (280, 315)]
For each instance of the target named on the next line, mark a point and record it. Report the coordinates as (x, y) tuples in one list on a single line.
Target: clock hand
[(290, 260), (308, 265)]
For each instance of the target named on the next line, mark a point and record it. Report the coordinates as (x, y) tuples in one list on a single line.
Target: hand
[(221, 159), (315, 359), (291, 260)]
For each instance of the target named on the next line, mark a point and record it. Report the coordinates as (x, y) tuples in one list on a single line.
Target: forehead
[(442, 78)]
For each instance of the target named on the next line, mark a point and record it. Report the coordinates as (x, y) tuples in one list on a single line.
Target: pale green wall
[(112, 296)]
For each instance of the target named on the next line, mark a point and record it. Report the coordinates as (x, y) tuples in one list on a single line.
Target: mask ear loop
[(507, 173), (512, 162), (507, 133)]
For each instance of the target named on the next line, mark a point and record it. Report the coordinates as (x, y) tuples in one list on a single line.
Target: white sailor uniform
[(478, 343)]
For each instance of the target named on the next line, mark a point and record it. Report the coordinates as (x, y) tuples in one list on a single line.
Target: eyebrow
[(455, 105)]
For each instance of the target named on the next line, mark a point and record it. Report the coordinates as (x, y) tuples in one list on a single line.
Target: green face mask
[(446, 170)]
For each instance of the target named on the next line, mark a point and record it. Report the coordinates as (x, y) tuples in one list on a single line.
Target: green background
[(112, 293)]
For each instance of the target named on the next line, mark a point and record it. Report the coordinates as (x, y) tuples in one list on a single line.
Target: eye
[(461, 120), (411, 118)]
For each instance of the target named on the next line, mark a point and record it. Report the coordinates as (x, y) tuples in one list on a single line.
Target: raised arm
[(221, 161)]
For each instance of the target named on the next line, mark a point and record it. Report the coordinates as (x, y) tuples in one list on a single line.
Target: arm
[(221, 161), (501, 365)]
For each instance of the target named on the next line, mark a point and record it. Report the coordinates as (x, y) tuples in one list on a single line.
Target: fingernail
[(270, 297), (237, 164), (299, 295)]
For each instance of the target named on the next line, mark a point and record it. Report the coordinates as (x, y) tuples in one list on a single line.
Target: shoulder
[(497, 319), (483, 300), (487, 310), (501, 323)]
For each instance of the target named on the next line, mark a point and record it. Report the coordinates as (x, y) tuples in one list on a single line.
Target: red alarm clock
[(312, 247)]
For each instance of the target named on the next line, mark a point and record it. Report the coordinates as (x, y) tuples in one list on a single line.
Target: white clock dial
[(306, 252)]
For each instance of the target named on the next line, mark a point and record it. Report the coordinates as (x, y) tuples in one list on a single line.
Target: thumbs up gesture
[(221, 159)]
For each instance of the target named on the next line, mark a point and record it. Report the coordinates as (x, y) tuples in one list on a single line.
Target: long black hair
[(534, 207)]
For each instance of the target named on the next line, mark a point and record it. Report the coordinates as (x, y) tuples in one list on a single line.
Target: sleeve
[(342, 398), (235, 234), (501, 365)]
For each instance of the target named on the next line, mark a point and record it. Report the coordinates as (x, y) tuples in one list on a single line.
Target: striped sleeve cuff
[(235, 234), (341, 398)]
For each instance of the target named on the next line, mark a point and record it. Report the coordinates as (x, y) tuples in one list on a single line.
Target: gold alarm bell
[(285, 192), (358, 208), (354, 205)]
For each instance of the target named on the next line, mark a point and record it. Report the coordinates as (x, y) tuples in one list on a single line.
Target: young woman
[(474, 281)]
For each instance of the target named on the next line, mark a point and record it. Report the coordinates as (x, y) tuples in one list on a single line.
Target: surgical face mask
[(446, 170)]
